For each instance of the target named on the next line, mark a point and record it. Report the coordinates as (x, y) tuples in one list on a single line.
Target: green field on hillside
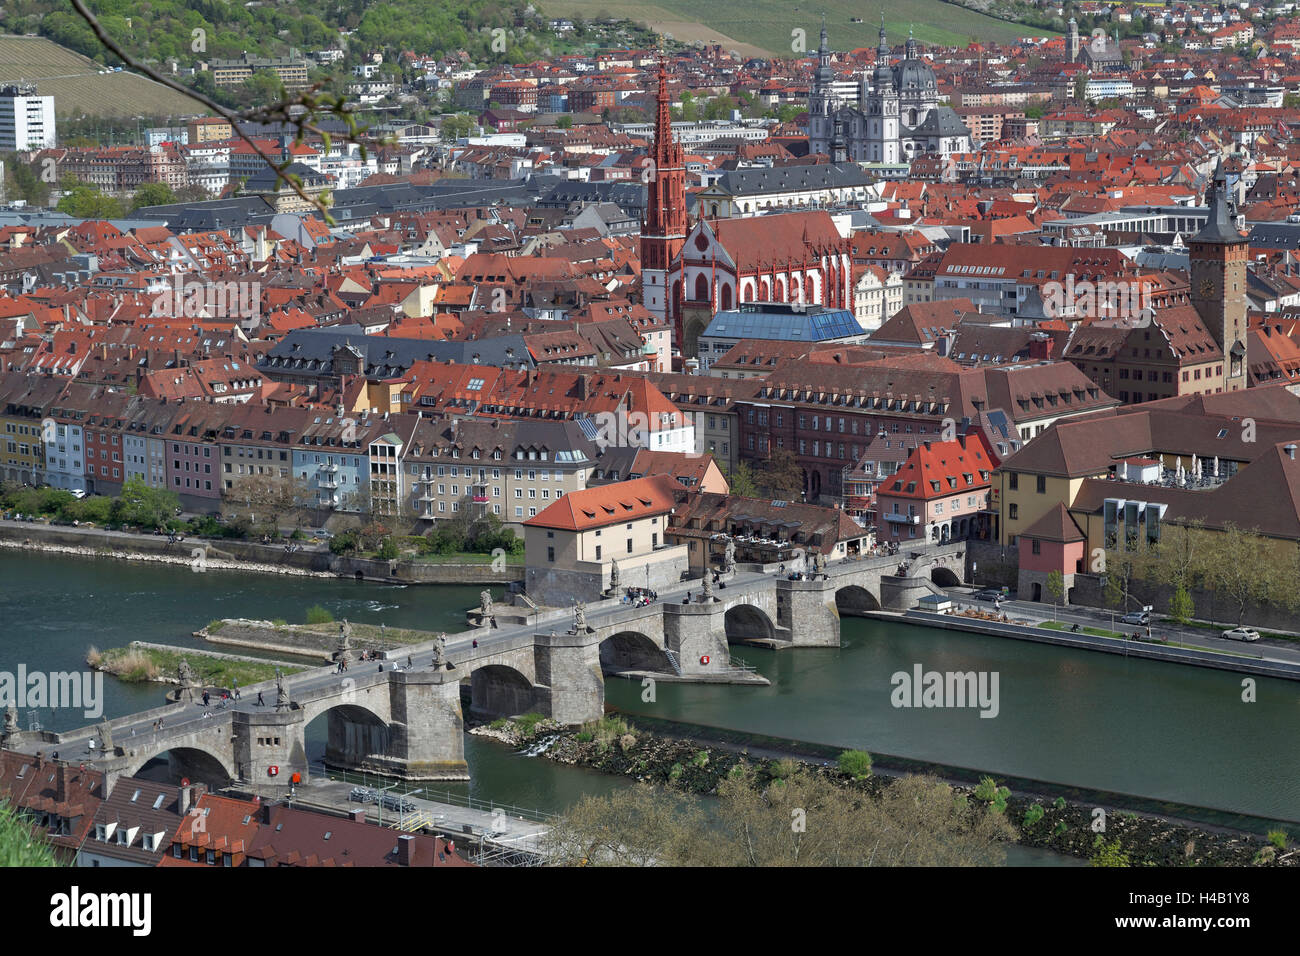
[(767, 24), (79, 85)]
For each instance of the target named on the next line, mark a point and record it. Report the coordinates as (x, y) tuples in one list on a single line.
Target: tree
[(143, 506), (801, 819), (267, 500), (457, 125), (1055, 587), (1179, 562), (152, 194), (23, 182), (84, 201), (1181, 606), (1122, 567), (741, 480), (780, 476), (564, 122), (1239, 565)]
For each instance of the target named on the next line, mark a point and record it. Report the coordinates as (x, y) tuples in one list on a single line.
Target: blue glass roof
[(783, 324)]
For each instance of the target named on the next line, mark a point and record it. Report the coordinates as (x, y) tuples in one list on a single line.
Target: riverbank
[(1237, 662), (200, 562), (228, 554), (697, 764)]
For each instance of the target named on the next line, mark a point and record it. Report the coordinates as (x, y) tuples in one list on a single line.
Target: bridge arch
[(631, 651), (944, 577), (352, 733), (497, 690), (182, 762), (746, 622), (855, 601)]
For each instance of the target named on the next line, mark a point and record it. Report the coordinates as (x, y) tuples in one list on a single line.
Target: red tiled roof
[(609, 504)]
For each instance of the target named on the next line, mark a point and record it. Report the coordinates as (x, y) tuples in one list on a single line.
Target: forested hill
[(164, 29)]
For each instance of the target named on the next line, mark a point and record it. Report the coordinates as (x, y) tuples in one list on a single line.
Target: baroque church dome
[(914, 76)]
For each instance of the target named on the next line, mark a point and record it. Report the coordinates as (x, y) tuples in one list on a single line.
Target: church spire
[(1220, 225), (663, 229), (911, 45)]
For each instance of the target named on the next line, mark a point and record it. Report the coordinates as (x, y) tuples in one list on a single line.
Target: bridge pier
[(265, 739), (570, 686), (425, 735), (695, 631), (807, 609)]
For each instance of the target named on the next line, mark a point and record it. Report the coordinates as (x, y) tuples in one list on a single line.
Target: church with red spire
[(689, 273), (663, 231)]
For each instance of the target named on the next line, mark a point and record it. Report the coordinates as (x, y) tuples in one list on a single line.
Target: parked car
[(988, 594), (1136, 617), (1241, 634)]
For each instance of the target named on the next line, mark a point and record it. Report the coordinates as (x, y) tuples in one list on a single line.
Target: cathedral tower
[(882, 108)]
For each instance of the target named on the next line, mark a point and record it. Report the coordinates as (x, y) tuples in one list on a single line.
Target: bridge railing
[(436, 796)]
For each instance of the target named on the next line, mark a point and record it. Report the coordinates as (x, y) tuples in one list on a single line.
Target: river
[(1086, 719)]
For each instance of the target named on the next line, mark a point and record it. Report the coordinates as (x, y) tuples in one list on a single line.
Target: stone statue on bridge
[(106, 738), (708, 585), (729, 558), (485, 608), (345, 641), (281, 692), (579, 618), (613, 575), (10, 729), (819, 563), (440, 650), (188, 692)]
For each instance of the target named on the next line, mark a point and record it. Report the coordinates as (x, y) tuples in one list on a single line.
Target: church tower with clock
[(1219, 254)]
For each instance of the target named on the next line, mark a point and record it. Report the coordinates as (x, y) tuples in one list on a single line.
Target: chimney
[(1290, 451), (358, 815), (405, 847), (187, 798), (61, 774)]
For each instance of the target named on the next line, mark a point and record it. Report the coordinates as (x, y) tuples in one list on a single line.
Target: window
[(1036, 546), (1042, 484), (1013, 511), (1013, 481)]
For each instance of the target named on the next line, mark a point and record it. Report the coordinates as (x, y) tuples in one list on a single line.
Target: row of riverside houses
[(145, 823), (93, 439), (453, 453)]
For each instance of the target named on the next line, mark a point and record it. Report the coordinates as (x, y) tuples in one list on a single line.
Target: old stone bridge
[(403, 716)]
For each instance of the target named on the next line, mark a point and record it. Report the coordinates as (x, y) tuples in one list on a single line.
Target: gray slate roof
[(311, 352)]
